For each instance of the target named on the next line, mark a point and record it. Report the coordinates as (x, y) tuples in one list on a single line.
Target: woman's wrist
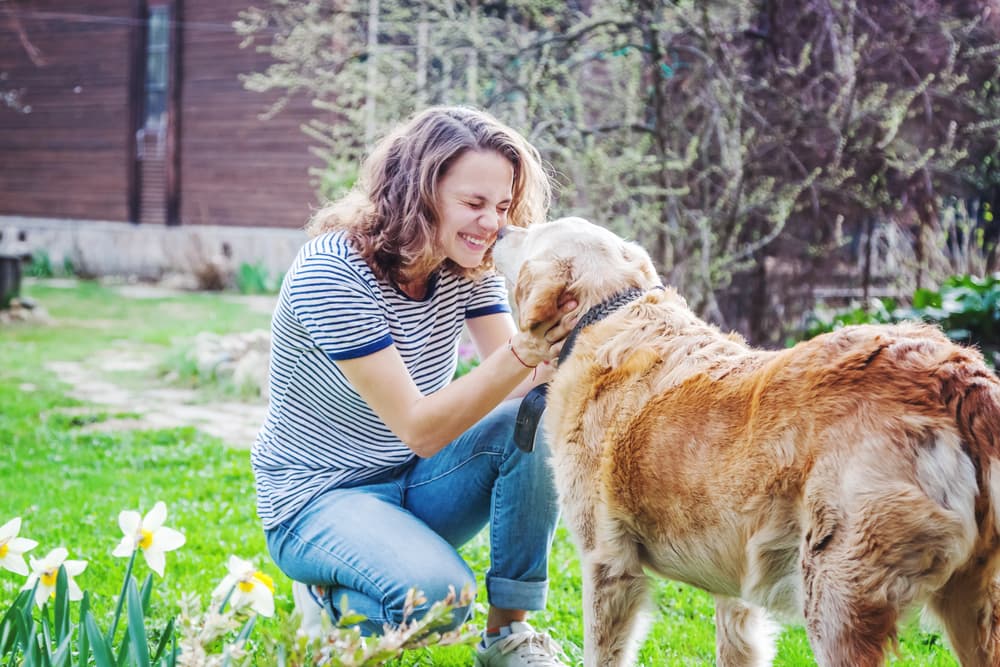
[(521, 357)]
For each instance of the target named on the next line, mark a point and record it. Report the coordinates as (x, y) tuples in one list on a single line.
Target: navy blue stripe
[(363, 351), (487, 310)]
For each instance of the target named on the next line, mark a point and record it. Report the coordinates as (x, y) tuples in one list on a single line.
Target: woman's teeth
[(473, 240)]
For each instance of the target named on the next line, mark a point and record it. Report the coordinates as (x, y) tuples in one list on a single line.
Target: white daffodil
[(46, 570), (149, 534), (12, 547), (249, 586)]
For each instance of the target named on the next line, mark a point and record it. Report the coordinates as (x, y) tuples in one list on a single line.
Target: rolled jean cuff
[(511, 594)]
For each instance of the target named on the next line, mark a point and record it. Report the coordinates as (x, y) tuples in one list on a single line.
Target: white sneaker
[(310, 610), (523, 647)]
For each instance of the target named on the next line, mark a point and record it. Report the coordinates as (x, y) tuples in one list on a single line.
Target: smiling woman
[(473, 198), (367, 426)]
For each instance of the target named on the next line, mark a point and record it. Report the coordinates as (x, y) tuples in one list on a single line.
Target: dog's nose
[(501, 232)]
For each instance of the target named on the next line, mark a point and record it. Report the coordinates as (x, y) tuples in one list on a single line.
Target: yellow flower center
[(49, 578), (246, 585), (4, 548), (145, 538), (264, 579)]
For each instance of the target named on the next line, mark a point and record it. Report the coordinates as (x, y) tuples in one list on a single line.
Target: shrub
[(966, 307), (253, 279), (40, 265)]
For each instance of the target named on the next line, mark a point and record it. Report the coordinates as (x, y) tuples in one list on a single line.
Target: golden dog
[(843, 481)]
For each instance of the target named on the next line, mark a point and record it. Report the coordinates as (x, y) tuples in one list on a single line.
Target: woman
[(373, 466)]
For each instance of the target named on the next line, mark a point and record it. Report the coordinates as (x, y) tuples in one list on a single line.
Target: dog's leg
[(744, 634), (848, 623), (613, 603), (969, 608)]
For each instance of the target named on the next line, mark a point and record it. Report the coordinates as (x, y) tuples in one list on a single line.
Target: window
[(157, 67)]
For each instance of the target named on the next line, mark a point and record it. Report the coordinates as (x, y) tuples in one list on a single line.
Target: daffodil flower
[(12, 547), (46, 570), (249, 586), (149, 534)]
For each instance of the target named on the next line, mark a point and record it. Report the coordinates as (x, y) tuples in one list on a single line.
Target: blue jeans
[(373, 541)]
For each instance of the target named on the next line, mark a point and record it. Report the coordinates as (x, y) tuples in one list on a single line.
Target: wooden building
[(132, 112)]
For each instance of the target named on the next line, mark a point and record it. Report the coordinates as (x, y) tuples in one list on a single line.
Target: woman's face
[(473, 198)]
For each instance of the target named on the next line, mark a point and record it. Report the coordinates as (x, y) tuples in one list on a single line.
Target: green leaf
[(146, 593), (45, 645), (121, 598), (139, 647), (351, 619), (62, 605), (61, 657), (168, 632), (25, 628), (9, 626), (123, 649), (31, 654), (99, 645), (924, 298), (247, 629), (83, 645)]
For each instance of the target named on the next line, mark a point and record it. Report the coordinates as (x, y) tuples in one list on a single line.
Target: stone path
[(117, 381), (234, 422)]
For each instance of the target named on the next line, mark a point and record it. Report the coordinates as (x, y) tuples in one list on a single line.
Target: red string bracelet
[(510, 346)]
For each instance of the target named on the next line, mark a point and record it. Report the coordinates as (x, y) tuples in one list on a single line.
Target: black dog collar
[(533, 403)]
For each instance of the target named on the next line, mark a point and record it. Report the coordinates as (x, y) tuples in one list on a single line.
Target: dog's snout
[(501, 232)]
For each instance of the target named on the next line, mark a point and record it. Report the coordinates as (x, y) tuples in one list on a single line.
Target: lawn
[(68, 479)]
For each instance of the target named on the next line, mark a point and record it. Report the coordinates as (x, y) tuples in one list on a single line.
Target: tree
[(745, 144)]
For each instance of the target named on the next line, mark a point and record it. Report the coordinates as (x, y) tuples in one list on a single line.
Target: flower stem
[(121, 597), (225, 600)]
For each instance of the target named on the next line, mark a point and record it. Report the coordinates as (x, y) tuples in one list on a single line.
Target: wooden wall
[(236, 169), (68, 157)]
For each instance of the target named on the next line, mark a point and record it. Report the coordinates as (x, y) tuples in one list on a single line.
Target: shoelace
[(536, 648)]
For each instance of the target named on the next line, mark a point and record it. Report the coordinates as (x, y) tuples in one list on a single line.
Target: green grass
[(69, 482)]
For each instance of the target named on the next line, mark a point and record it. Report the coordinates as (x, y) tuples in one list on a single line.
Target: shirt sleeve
[(338, 308), (489, 296)]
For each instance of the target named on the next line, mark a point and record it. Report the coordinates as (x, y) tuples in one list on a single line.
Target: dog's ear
[(539, 293), (638, 260)]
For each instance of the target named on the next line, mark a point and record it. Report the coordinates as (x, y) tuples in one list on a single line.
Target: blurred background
[(776, 157)]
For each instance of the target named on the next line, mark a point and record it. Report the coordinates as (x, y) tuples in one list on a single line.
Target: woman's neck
[(415, 289), (417, 281)]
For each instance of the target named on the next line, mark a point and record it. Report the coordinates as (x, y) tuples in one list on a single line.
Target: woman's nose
[(490, 220)]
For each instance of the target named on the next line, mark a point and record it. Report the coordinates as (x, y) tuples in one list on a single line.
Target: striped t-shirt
[(319, 433)]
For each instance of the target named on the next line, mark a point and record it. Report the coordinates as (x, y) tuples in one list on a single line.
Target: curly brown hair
[(391, 213)]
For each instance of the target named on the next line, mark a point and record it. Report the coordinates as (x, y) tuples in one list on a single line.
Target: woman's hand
[(544, 342)]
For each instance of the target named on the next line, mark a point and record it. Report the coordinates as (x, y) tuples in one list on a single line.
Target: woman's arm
[(490, 333), (427, 423)]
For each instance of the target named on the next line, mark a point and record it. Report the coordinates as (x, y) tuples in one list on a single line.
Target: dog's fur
[(844, 480)]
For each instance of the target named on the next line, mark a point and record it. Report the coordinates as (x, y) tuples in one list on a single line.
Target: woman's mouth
[(477, 242)]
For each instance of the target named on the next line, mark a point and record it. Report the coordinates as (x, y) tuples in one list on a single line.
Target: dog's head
[(551, 263)]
